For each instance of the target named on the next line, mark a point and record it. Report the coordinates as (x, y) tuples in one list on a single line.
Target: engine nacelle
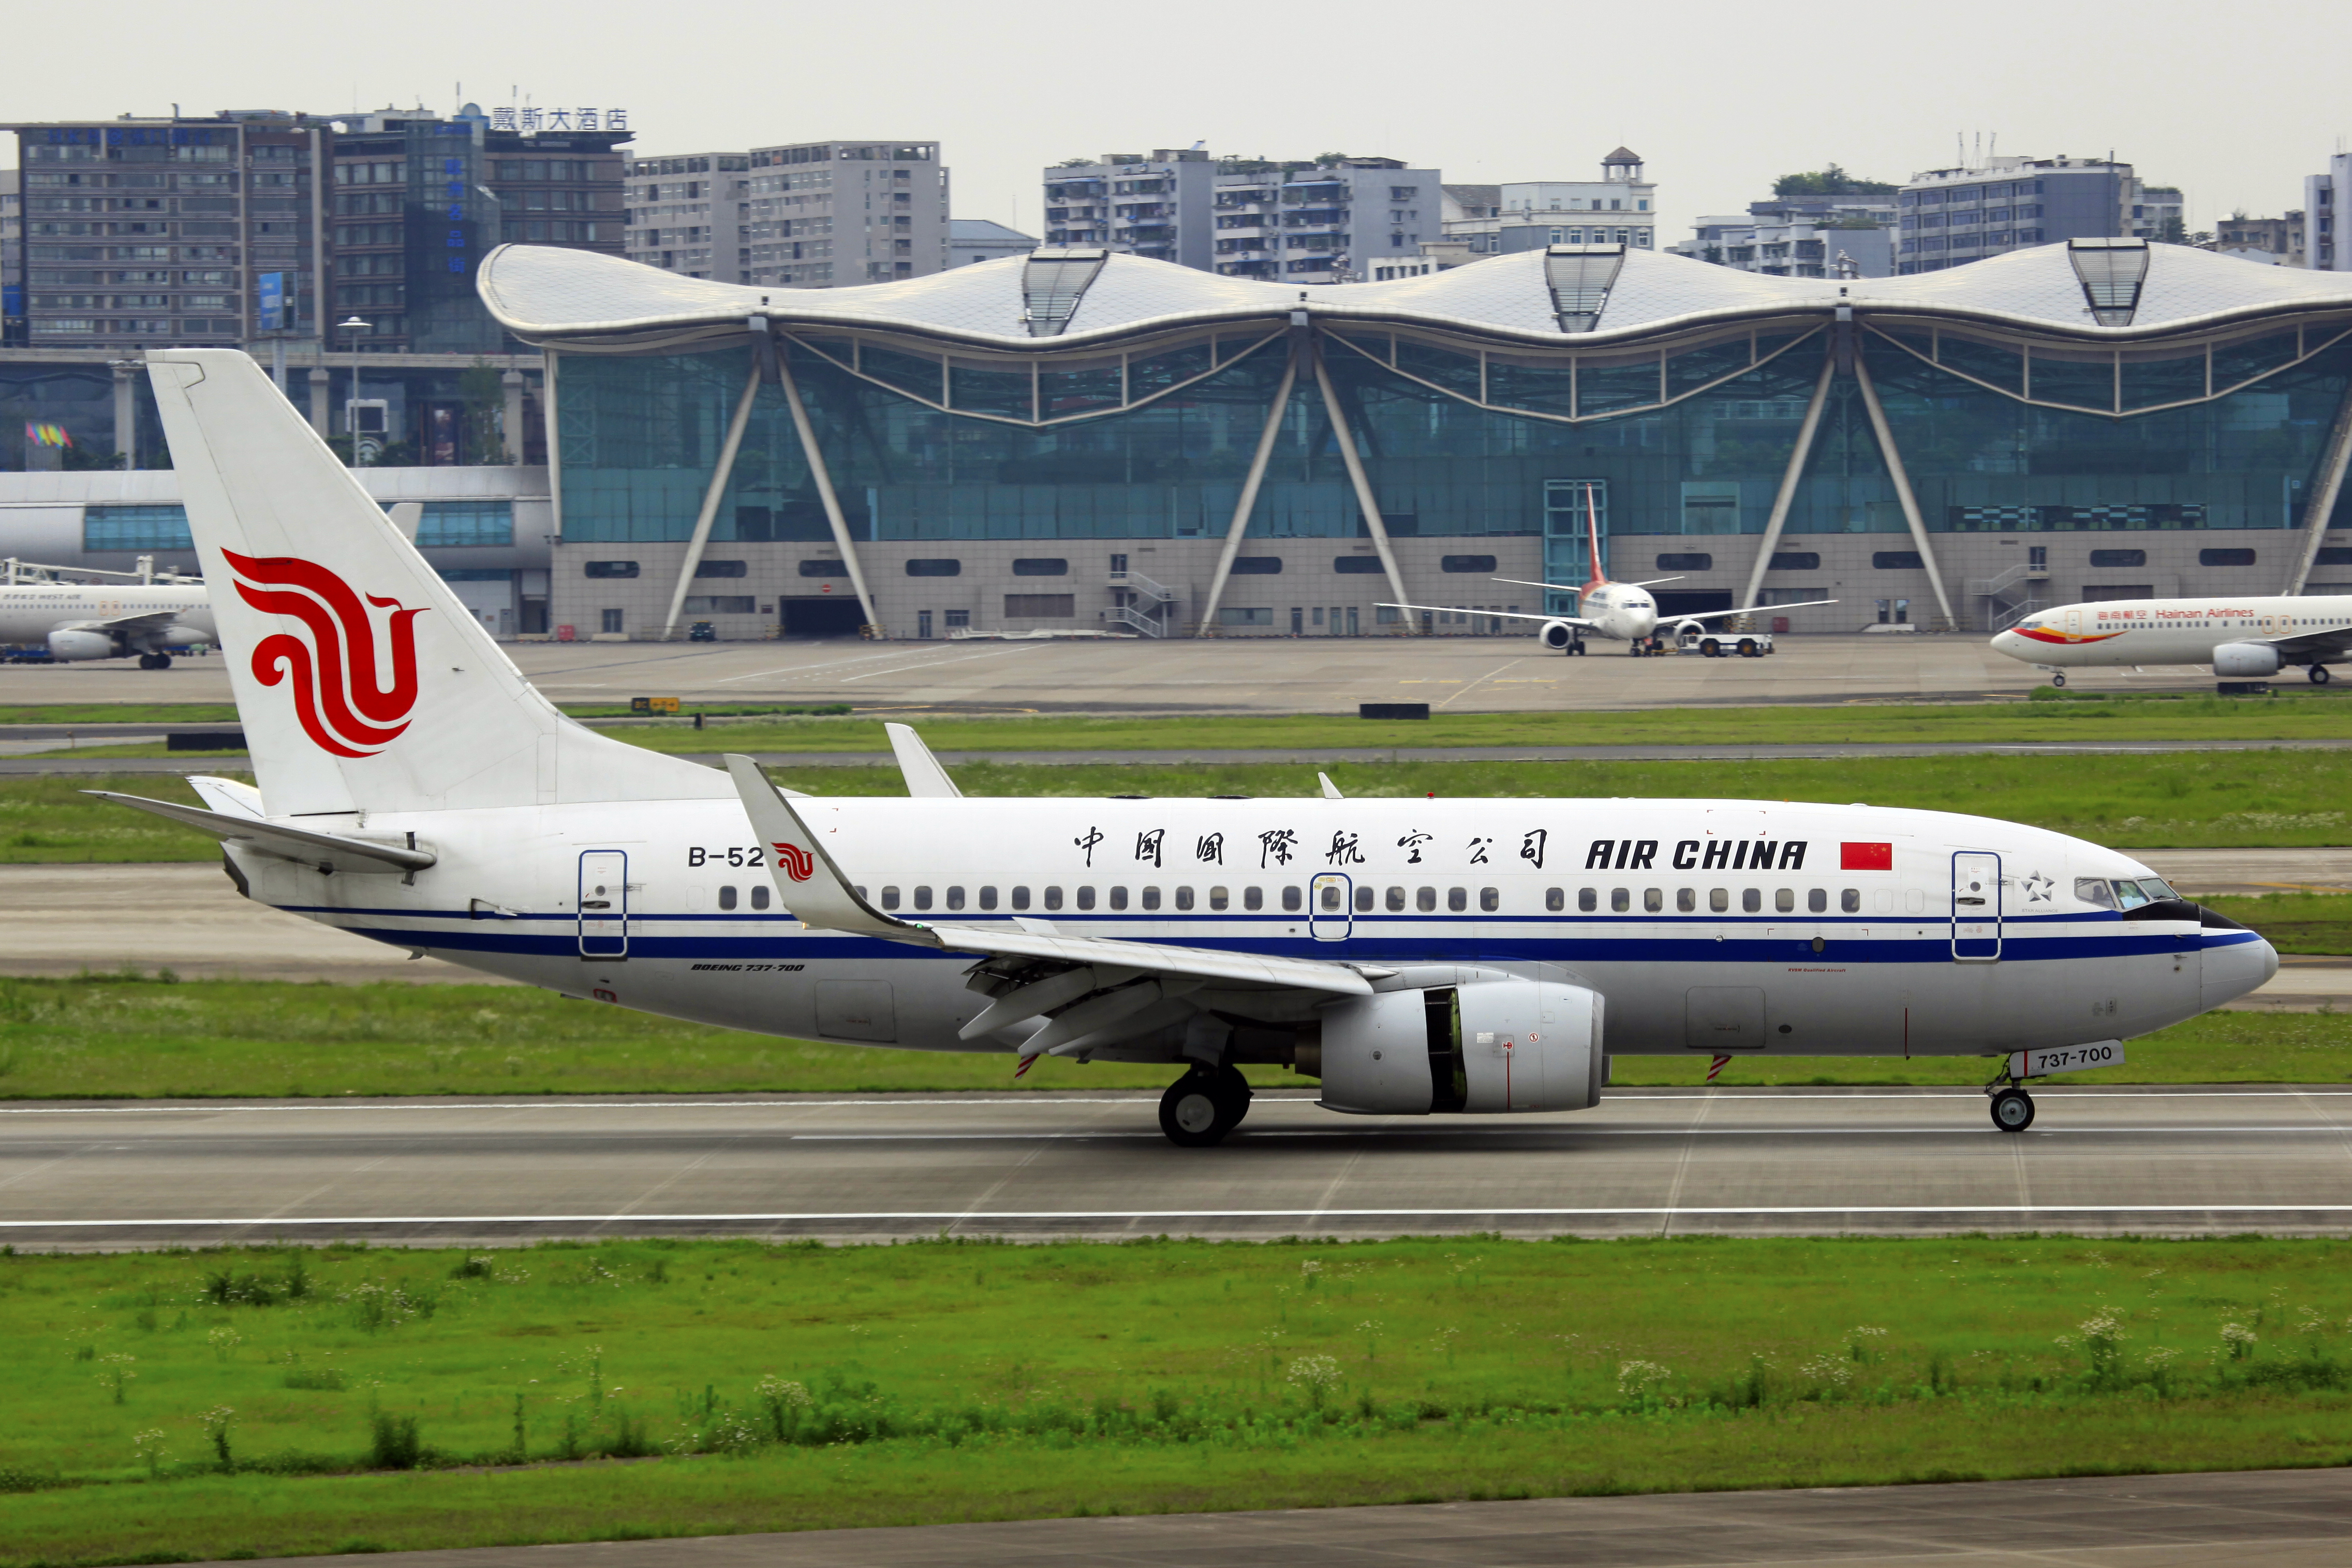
[(2243, 658), (75, 643), (1557, 635), (181, 635), (1489, 1046)]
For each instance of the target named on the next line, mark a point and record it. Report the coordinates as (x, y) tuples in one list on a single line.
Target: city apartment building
[(2274, 241), (2325, 198), (1619, 208), (1800, 236), (817, 215), (1951, 217), (972, 239), (1305, 222)]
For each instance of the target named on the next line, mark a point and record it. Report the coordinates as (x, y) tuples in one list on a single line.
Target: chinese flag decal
[(1866, 857)]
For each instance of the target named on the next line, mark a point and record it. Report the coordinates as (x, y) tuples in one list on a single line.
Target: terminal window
[(2128, 557), (2225, 558), (135, 528), (447, 524), (611, 568)]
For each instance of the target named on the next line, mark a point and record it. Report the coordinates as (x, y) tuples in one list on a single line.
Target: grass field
[(217, 1404), (106, 1037), (2294, 922)]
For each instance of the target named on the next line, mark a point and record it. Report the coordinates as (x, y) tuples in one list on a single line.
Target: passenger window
[(1329, 898), (889, 898), (1253, 898), (1751, 900), (955, 897), (1183, 898), (1884, 901), (1425, 900), (726, 896), (1118, 897), (1718, 898), (1151, 898), (1020, 897), (2095, 891), (1587, 900), (922, 898), (1849, 900), (1653, 899), (1914, 900), (1219, 898), (1052, 899), (1817, 901), (1290, 899), (1458, 898), (1686, 899), (1085, 898), (1364, 897), (760, 893), (1620, 900), (988, 898), (1785, 899), (1490, 898), (1396, 898), (1554, 899)]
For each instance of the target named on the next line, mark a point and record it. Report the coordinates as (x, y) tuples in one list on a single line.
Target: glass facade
[(135, 528)]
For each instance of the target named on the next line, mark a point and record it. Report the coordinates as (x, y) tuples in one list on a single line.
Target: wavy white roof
[(574, 298)]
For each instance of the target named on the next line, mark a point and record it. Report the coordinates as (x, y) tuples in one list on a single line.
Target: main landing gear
[(1202, 1106), (1573, 649), (154, 661), (2319, 675), (2012, 1107)]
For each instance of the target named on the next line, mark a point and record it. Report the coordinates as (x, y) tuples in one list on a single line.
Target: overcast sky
[(2227, 101)]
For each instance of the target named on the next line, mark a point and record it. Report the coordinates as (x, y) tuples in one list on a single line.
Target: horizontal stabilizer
[(328, 851)]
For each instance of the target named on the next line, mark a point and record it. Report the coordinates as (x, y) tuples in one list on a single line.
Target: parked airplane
[(1415, 956), (2241, 638), (103, 620), (1620, 612)]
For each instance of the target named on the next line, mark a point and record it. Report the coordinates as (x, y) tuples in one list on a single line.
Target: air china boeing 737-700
[(1416, 956), (1617, 612), (2241, 638)]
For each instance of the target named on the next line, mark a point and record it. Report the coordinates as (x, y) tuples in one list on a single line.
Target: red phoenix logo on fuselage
[(796, 862), (338, 677)]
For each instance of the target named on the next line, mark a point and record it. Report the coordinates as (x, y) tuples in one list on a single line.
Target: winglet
[(812, 886), (926, 779), (1330, 790)]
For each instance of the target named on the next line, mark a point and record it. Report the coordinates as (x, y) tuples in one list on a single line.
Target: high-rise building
[(2325, 199), (816, 214), (1328, 221), (1950, 217), (1619, 208)]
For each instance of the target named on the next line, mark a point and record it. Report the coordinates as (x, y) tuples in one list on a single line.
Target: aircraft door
[(604, 903), (2073, 623), (1330, 913), (1976, 906)]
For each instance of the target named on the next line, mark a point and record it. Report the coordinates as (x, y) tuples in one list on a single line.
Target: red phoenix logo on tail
[(796, 861), (338, 677)]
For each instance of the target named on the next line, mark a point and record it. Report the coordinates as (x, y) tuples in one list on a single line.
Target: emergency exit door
[(604, 903), (1331, 914), (1976, 906)]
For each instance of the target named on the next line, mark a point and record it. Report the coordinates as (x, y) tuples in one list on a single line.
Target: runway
[(2173, 1161)]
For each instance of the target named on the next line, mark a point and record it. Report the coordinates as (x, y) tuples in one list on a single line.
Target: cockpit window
[(2157, 887), (2095, 891), (2129, 894)]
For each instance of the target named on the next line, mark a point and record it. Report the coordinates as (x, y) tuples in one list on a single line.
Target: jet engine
[(179, 635), (1488, 1047), (1558, 634), (2244, 659), (80, 642)]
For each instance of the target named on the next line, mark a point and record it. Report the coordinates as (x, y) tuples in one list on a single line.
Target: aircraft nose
[(2232, 969)]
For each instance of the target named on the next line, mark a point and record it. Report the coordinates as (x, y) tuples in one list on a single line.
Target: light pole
[(352, 326)]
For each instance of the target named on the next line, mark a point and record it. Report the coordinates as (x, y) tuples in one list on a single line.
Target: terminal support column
[(1789, 481), (720, 476), (1886, 449), (824, 478), (1250, 483), (2321, 508), (1364, 497)]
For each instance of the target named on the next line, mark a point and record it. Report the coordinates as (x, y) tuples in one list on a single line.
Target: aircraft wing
[(145, 620), (1750, 610), (1506, 615), (2306, 645), (328, 851), (1571, 588), (1070, 968)]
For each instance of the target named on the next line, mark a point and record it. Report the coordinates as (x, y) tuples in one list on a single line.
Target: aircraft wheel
[(2319, 675), (2012, 1110), (2057, 680), (1192, 1113), (1233, 1094)]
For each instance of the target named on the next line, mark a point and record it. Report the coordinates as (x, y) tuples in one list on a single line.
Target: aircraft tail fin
[(363, 682), (1592, 538)]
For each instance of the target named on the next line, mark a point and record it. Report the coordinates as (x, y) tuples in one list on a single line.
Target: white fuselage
[(1620, 612), (29, 611), (667, 906), (2171, 631)]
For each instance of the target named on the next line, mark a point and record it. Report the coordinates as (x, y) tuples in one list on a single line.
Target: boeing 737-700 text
[(1415, 956)]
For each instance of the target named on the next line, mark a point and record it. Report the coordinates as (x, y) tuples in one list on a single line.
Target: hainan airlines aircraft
[(1620, 612), (2241, 638), (1415, 956), (102, 620)]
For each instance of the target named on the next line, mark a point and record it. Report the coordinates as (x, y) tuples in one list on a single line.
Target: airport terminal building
[(1073, 440)]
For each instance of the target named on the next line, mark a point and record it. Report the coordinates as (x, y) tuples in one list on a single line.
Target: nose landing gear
[(2012, 1107), (1202, 1106)]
